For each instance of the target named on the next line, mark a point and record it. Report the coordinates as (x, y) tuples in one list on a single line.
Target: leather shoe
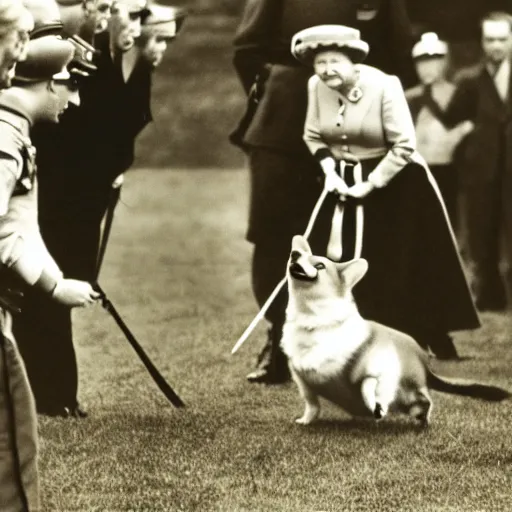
[(54, 412), (265, 376), (78, 412)]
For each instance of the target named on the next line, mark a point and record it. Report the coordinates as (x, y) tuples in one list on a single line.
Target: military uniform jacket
[(262, 48), (23, 255)]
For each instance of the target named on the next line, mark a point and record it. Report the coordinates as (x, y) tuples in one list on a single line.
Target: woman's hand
[(333, 183), (360, 190)]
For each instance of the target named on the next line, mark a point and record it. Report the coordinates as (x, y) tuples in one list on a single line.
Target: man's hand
[(74, 293), (333, 182), (360, 190)]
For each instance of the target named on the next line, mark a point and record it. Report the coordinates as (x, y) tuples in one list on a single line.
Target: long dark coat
[(487, 151), (262, 55)]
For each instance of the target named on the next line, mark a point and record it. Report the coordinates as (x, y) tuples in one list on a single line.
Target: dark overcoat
[(282, 195), (486, 155)]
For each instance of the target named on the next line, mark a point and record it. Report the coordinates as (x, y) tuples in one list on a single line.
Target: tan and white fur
[(366, 368)]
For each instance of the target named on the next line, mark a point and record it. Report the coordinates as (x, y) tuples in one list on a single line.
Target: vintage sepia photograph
[(255, 256)]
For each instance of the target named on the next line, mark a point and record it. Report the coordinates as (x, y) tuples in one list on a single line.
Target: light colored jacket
[(378, 124), (436, 143), (22, 250)]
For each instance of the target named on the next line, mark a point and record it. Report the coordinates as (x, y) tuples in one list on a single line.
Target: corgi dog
[(364, 367)]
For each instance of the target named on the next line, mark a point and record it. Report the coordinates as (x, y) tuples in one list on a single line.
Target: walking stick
[(160, 381), (277, 289), (107, 228), (164, 386)]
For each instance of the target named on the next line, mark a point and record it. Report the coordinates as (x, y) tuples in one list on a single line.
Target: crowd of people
[(340, 96), (380, 125), (76, 86)]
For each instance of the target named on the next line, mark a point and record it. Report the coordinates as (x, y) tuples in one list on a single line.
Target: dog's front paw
[(310, 414), (304, 420)]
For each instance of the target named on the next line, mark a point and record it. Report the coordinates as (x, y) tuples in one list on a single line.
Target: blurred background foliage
[(197, 99)]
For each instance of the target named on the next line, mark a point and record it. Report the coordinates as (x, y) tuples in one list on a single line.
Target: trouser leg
[(19, 481), (268, 268), (44, 335), (284, 189), (483, 209)]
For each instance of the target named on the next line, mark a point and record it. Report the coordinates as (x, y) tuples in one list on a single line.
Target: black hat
[(47, 57), (82, 63)]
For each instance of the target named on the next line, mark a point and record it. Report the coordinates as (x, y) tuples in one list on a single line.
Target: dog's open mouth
[(298, 272)]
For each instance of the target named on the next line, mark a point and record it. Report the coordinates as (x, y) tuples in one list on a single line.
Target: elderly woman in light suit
[(359, 115)]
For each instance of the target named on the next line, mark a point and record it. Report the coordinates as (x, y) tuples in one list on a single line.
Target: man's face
[(154, 48), (12, 50), (125, 28), (496, 40), (99, 12), (430, 69), (60, 93)]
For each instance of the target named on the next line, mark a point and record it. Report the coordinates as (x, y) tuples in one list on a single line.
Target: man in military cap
[(40, 93), (51, 366), (284, 176)]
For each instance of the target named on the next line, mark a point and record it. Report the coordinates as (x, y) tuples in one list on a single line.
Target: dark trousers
[(19, 477), (43, 330), (284, 189), (488, 225)]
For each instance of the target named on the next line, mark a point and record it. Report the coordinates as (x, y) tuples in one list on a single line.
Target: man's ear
[(299, 243), (352, 271)]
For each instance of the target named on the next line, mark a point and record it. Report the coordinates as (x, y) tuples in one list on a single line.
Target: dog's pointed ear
[(299, 243), (352, 271)]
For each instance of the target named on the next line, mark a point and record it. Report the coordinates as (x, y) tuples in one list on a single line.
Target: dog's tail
[(467, 388)]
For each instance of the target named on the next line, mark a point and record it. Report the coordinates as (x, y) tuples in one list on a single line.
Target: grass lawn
[(177, 270)]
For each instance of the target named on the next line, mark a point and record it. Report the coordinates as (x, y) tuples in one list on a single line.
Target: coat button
[(344, 137), (344, 148)]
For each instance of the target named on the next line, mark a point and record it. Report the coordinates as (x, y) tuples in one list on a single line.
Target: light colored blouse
[(377, 124)]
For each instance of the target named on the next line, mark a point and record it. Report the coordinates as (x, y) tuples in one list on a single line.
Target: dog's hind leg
[(312, 405), (421, 408), (378, 394)]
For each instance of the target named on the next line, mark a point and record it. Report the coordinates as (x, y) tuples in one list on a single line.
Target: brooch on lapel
[(355, 94)]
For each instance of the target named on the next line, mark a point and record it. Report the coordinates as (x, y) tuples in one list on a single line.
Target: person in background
[(285, 179), (81, 163), (85, 18), (40, 318), (435, 143), (158, 30), (484, 97), (358, 115), (40, 92)]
